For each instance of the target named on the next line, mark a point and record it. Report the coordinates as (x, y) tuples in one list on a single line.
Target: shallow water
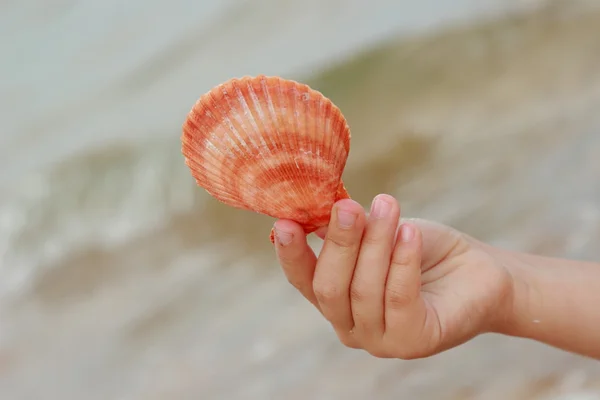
[(123, 280)]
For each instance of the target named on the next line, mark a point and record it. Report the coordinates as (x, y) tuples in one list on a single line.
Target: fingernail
[(407, 232), (345, 219), (380, 208), (284, 238)]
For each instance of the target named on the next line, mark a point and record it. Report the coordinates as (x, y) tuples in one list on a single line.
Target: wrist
[(553, 301), (515, 304), (522, 308)]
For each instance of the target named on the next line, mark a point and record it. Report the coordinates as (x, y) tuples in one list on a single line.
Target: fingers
[(404, 307), (335, 266), (296, 257), (368, 285), (366, 281)]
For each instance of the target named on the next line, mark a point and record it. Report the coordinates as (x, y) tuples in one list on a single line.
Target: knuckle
[(288, 259), (402, 258), (398, 297), (341, 240), (327, 292), (372, 238), (357, 293)]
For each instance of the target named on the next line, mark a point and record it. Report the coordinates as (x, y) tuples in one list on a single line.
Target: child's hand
[(399, 291)]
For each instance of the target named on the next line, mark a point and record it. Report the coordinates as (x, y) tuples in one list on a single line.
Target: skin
[(410, 289)]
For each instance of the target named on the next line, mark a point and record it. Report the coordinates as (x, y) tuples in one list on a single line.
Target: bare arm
[(556, 302), (431, 287)]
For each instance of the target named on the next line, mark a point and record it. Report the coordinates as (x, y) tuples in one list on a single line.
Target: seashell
[(269, 145)]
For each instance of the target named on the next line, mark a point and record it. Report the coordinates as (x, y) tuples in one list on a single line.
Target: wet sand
[(491, 129)]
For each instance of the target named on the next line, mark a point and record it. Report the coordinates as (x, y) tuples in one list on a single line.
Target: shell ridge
[(245, 136), (328, 136), (282, 118), (301, 179), (269, 113), (305, 138), (235, 130), (259, 120), (235, 143), (221, 116), (195, 120), (292, 135), (242, 117), (309, 118), (217, 186), (190, 142), (272, 125), (273, 128), (263, 125), (253, 120), (342, 149), (337, 133), (204, 171), (282, 123), (197, 145), (335, 128), (247, 176), (255, 133), (340, 128), (314, 105), (318, 133), (225, 142), (213, 168), (260, 130), (323, 152)]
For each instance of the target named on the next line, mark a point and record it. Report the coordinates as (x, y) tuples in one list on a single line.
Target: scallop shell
[(269, 145)]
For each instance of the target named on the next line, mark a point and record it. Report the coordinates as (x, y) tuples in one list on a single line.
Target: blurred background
[(120, 279)]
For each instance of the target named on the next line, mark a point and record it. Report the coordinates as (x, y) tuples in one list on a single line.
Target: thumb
[(439, 241)]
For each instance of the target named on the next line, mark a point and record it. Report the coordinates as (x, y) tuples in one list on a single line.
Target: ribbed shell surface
[(269, 145)]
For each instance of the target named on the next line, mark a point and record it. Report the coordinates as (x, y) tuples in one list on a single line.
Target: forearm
[(556, 302)]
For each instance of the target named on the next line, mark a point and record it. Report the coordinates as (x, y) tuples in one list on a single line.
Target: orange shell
[(269, 145)]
